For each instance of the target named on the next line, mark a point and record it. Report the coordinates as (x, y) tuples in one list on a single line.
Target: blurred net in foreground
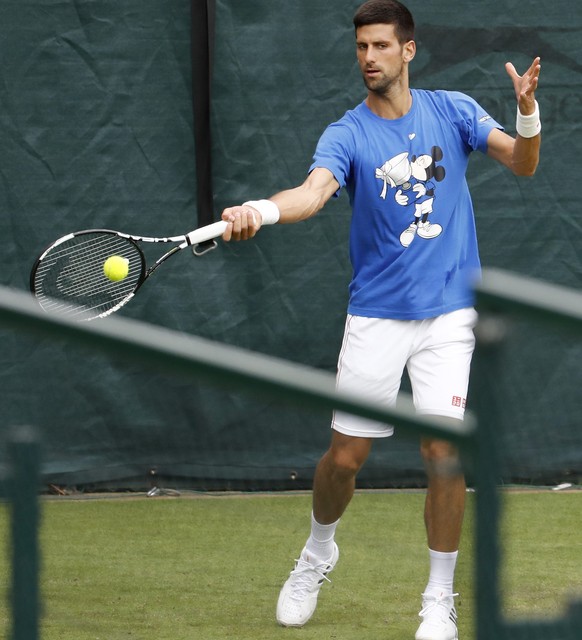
[(529, 430)]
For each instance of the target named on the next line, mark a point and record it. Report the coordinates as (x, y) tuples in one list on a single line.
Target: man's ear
[(409, 50)]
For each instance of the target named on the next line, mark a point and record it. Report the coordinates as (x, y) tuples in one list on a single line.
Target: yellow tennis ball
[(116, 268)]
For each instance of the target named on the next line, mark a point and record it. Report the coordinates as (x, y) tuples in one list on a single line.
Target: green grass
[(541, 553), (211, 568)]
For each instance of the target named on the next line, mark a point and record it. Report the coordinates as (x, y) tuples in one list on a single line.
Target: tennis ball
[(116, 268)]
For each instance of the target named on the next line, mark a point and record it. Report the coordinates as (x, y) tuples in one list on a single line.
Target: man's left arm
[(522, 153)]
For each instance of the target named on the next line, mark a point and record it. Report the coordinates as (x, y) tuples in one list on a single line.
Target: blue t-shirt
[(413, 243)]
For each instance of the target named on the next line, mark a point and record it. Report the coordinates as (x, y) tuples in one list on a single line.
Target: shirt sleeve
[(334, 152), (474, 123)]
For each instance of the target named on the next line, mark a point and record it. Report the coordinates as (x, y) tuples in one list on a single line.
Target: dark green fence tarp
[(96, 130)]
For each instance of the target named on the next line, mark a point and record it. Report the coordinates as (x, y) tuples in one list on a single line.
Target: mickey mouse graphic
[(415, 179)]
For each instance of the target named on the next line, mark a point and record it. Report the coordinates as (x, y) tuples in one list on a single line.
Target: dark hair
[(386, 12)]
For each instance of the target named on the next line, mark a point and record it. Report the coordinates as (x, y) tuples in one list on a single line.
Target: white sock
[(320, 542), (442, 572)]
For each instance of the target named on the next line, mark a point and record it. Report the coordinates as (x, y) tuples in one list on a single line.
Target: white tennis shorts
[(436, 353)]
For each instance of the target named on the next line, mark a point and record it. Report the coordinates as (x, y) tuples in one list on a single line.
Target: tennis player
[(402, 155)]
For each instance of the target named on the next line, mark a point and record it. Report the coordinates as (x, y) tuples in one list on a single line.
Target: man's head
[(386, 12), (384, 46)]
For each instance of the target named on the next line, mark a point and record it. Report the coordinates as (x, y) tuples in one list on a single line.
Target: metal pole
[(24, 455), (490, 333)]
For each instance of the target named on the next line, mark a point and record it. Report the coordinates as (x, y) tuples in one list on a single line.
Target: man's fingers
[(227, 235), (243, 223), (525, 86), (511, 70)]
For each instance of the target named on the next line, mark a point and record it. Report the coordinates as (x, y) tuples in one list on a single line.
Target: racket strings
[(70, 279)]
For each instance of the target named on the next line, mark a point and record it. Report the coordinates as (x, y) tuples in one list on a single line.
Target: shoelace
[(444, 603), (303, 578)]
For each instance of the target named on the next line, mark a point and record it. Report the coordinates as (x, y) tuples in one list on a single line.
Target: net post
[(490, 334), (23, 484)]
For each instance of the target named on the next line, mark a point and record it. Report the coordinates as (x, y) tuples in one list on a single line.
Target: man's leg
[(443, 515), (335, 476), (445, 499), (439, 374), (371, 361), (333, 488)]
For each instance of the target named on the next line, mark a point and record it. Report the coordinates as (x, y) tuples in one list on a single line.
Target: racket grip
[(209, 232)]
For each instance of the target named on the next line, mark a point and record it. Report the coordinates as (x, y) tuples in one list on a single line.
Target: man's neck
[(393, 106)]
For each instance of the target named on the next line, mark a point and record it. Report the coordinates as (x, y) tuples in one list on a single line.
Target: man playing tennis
[(402, 155)]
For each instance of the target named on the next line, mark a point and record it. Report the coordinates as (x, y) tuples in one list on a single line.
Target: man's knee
[(348, 454), (440, 457), (432, 449)]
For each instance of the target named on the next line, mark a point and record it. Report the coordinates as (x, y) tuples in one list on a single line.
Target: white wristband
[(528, 126), (267, 208)]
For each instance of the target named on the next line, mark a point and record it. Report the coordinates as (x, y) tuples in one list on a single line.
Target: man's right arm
[(293, 205)]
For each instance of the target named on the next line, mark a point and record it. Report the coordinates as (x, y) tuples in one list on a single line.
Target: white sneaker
[(298, 597), (439, 618)]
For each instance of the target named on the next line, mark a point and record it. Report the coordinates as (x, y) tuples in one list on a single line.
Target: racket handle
[(209, 232)]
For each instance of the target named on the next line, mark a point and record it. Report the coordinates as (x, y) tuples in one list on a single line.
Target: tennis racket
[(69, 278)]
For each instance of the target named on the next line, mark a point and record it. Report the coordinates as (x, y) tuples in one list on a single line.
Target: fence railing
[(20, 485), (502, 296), (499, 295)]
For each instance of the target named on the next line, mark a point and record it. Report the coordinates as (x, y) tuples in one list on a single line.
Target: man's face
[(381, 57)]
